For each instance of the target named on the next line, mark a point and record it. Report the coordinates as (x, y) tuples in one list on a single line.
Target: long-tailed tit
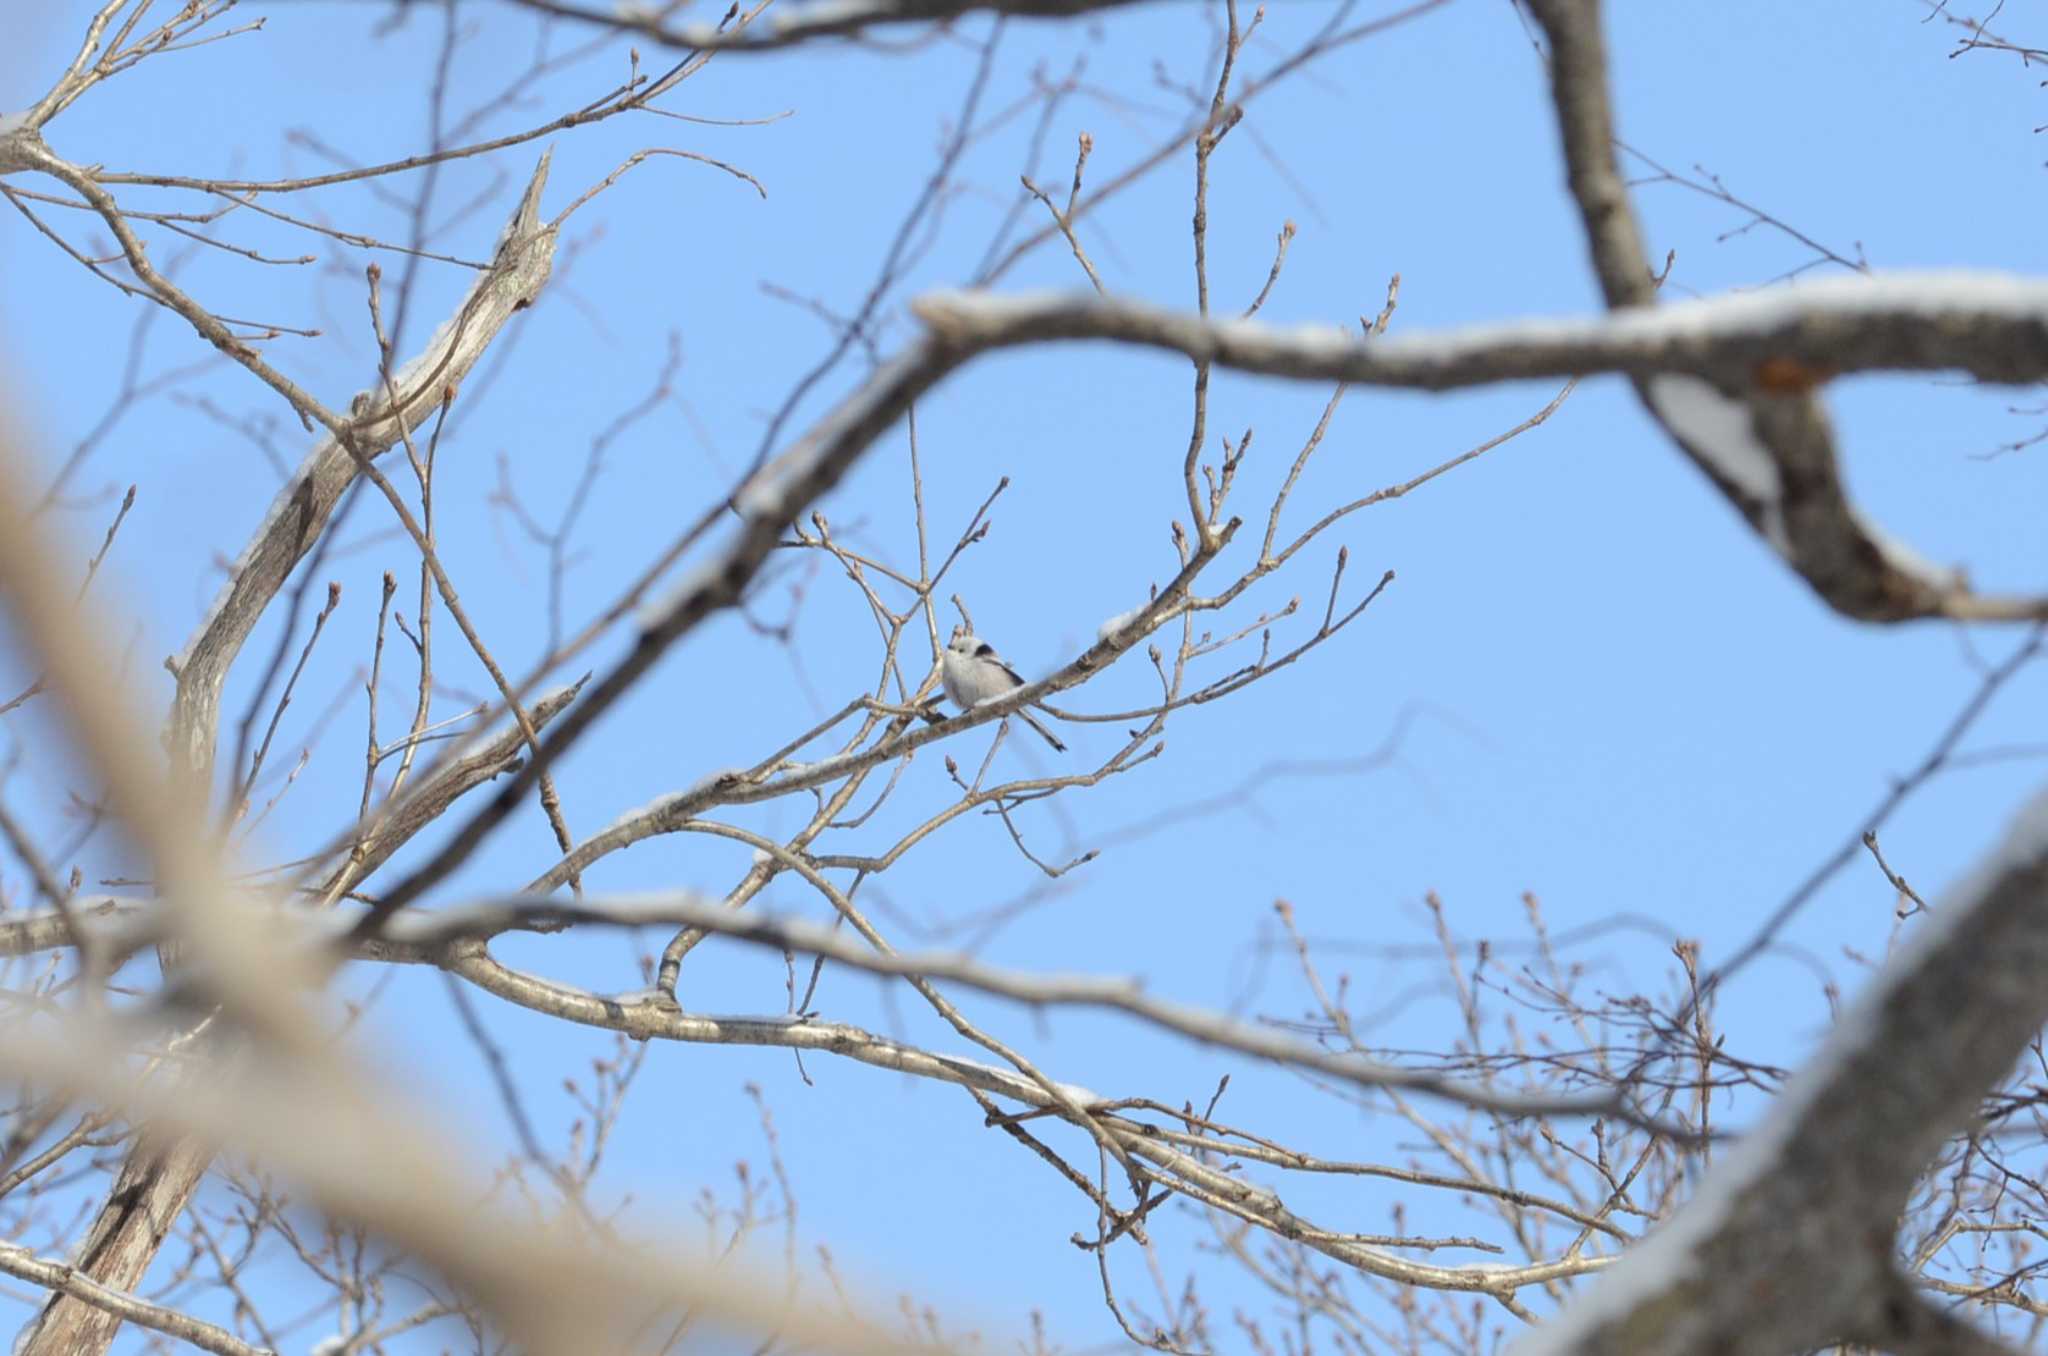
[(973, 672)]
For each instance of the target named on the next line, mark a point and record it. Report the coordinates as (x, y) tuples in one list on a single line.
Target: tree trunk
[(151, 1192)]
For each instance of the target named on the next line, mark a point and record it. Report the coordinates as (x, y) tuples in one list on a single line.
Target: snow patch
[(765, 495), (712, 779), (1717, 427), (1905, 559), (635, 815), (1924, 295), (1927, 294), (1084, 1098), (1118, 622), (668, 800), (653, 613)]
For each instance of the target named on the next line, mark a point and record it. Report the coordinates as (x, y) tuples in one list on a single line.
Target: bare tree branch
[(807, 22), (1993, 326), (1757, 430), (1817, 1189), (68, 1279), (155, 1185), (299, 514)]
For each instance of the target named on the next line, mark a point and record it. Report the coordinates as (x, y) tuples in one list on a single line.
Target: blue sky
[(1617, 698)]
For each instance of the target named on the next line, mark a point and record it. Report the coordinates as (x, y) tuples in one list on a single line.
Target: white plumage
[(973, 672)]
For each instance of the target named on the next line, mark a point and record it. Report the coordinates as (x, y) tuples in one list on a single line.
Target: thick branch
[(1789, 1244), (769, 501), (1758, 431), (1728, 377), (371, 1158), (153, 1187), (1991, 325), (299, 514), (393, 827)]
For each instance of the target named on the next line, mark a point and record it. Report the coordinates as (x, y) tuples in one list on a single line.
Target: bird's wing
[(987, 653)]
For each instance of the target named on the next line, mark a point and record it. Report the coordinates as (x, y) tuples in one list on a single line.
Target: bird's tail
[(1048, 735)]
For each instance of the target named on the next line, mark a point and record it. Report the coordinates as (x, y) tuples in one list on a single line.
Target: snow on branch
[(1991, 325), (1977, 322), (1791, 1242), (1729, 377), (1746, 394)]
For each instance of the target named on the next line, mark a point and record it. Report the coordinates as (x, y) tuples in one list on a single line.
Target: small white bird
[(973, 672)]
